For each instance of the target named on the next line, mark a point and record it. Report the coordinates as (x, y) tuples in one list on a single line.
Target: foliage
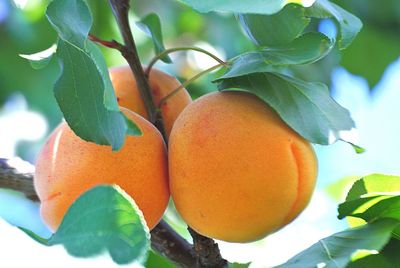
[(92, 225), (92, 112)]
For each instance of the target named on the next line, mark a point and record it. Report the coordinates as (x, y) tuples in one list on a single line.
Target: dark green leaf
[(84, 91), (155, 260), (277, 29), (71, 19), (243, 6), (306, 107), (389, 257), (370, 53), (336, 250), (151, 25), (80, 94), (306, 49), (349, 25), (103, 218), (41, 59)]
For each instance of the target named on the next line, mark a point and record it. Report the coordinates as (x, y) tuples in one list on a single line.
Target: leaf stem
[(175, 49), (187, 82)]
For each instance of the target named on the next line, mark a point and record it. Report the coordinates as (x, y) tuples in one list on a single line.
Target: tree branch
[(163, 238), (209, 254), (129, 52)]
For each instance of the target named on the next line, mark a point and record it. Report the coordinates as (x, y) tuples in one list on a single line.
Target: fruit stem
[(175, 49), (187, 82)]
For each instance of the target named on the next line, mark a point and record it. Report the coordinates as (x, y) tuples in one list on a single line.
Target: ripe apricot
[(67, 166), (237, 171), (161, 84)]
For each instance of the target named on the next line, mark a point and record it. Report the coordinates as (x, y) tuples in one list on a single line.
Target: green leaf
[(80, 94), (151, 26), (306, 49), (40, 59), (243, 6), (274, 30), (388, 257), (374, 184), (239, 265), (84, 91), (103, 218), (336, 250), (155, 260), (71, 19), (349, 25), (371, 53), (373, 197), (306, 107)]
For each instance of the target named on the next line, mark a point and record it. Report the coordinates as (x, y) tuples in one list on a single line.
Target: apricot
[(67, 166), (237, 171), (161, 84)]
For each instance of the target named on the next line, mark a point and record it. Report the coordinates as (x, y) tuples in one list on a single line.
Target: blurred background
[(365, 79)]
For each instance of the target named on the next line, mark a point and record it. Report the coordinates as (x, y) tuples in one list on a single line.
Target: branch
[(163, 238), (121, 11), (11, 178)]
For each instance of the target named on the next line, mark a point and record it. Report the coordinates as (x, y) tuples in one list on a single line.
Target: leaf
[(373, 197), (239, 265), (306, 49), (372, 184), (40, 59), (155, 260), (84, 91), (388, 258), (103, 218), (371, 53), (336, 250), (274, 30), (80, 94), (305, 107), (151, 25), (349, 25), (71, 19), (243, 6)]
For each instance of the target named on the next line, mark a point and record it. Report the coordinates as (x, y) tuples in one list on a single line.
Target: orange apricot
[(237, 171), (67, 166), (161, 84)]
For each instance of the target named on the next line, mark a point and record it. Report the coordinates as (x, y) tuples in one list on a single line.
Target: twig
[(171, 239), (110, 44), (187, 82), (121, 11), (12, 179), (163, 238), (175, 49)]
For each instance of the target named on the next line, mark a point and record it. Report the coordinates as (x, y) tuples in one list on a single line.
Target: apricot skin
[(67, 166), (237, 171), (161, 84)]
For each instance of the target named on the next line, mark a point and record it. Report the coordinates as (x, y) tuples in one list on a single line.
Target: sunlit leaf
[(40, 59)]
